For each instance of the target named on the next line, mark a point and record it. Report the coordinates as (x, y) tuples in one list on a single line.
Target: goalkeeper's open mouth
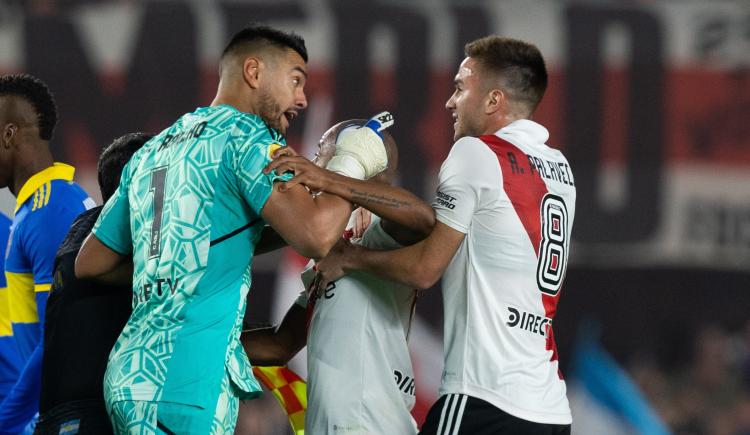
[(289, 115)]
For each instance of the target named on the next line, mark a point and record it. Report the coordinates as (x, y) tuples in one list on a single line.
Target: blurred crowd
[(706, 393)]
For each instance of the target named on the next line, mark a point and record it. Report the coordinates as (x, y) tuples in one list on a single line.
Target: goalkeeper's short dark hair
[(261, 34)]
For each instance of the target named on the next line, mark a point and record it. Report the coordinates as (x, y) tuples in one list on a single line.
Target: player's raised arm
[(389, 202), (357, 150)]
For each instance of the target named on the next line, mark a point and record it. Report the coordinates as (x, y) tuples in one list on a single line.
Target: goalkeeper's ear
[(251, 71)]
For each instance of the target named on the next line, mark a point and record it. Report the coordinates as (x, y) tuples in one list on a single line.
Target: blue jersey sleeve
[(22, 402), (113, 226), (254, 185), (43, 232)]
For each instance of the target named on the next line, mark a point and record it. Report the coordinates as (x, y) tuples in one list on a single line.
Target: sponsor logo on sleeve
[(445, 200)]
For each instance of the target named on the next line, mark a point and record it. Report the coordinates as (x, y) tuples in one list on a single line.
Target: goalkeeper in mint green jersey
[(190, 210)]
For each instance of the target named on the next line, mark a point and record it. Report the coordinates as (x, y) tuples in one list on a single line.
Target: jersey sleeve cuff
[(109, 243), (451, 223), (272, 178), (43, 287)]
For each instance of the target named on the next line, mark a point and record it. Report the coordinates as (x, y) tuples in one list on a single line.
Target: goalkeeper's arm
[(389, 202), (360, 154)]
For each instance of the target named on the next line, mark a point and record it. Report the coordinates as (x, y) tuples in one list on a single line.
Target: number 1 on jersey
[(158, 177)]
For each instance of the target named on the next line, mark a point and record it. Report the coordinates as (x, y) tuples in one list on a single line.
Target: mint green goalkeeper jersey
[(188, 208)]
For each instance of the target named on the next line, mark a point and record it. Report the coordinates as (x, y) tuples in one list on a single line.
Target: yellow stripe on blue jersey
[(42, 287), (41, 196), (22, 304), (5, 329), (47, 190)]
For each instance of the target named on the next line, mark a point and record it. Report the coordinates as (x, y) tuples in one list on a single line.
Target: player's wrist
[(350, 262)]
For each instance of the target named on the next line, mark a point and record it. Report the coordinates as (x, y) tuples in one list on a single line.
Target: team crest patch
[(272, 149)]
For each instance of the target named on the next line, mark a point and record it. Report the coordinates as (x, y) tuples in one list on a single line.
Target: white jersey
[(360, 378), (514, 198)]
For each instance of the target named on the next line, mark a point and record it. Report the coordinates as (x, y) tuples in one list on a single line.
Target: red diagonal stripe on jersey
[(525, 191)]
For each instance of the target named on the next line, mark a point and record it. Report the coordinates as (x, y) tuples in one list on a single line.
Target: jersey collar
[(530, 130), (58, 171)]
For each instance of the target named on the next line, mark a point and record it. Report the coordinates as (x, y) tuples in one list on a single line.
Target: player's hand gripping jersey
[(514, 198), (188, 209)]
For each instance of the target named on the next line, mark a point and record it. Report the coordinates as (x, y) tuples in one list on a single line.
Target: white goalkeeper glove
[(360, 152)]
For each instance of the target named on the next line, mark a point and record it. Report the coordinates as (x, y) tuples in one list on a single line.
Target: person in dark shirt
[(84, 318)]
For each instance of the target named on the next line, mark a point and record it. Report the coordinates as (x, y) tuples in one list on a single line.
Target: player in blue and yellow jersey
[(9, 360), (47, 201), (190, 210)]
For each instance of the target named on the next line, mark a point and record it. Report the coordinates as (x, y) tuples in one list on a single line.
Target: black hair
[(261, 33), (519, 63), (38, 95), (114, 158)]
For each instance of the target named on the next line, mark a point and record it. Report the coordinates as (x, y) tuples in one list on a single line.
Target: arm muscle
[(420, 265), (310, 225), (95, 259)]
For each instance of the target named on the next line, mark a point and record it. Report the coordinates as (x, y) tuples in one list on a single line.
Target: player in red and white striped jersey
[(504, 207)]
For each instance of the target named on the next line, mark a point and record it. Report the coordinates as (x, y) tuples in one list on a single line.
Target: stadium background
[(650, 101)]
